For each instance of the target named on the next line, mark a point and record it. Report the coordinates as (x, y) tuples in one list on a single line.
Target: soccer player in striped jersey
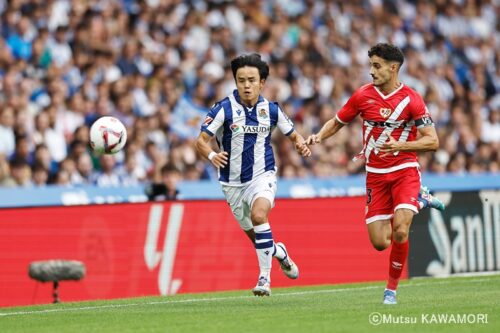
[(392, 114), (242, 124)]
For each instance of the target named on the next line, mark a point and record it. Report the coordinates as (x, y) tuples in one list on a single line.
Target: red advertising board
[(179, 247)]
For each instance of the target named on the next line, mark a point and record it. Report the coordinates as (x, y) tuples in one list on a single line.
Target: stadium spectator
[(21, 38), (22, 150), (40, 175), (7, 138), (490, 131), (59, 48), (130, 172), (21, 172), (6, 179), (166, 187), (42, 157), (85, 168), (107, 176), (63, 178), (74, 61), (51, 138)]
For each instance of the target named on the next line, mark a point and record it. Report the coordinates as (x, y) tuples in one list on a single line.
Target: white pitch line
[(195, 300)]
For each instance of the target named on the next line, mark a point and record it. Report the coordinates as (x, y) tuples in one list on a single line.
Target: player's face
[(249, 84), (381, 70)]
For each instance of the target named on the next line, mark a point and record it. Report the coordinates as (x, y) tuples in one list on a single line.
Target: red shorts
[(386, 192)]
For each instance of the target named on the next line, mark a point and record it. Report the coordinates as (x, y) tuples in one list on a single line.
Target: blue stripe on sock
[(265, 245), (267, 235)]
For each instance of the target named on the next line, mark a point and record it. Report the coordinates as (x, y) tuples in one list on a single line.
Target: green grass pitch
[(339, 308)]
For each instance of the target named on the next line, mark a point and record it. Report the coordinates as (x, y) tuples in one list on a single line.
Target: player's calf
[(380, 233)]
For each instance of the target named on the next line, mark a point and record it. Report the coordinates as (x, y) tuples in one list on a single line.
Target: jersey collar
[(391, 94), (237, 98)]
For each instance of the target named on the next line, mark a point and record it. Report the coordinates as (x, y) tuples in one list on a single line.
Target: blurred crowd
[(158, 65)]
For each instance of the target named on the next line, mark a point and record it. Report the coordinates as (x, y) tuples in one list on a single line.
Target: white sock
[(264, 246), (279, 253)]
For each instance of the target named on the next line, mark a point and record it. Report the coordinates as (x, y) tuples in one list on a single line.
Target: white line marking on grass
[(196, 300)]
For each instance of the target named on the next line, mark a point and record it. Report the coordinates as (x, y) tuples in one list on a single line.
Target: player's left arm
[(300, 144), (428, 141), (286, 127)]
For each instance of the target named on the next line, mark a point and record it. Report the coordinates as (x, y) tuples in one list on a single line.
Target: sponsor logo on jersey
[(263, 113), (235, 128), (250, 129), (384, 112), (207, 121), (390, 124)]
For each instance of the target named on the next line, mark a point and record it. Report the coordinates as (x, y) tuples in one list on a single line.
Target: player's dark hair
[(250, 60), (387, 52)]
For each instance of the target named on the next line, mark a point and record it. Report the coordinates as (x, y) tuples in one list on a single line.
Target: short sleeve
[(285, 125), (214, 120), (419, 112), (350, 109)]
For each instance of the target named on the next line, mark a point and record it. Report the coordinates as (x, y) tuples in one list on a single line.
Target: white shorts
[(241, 198)]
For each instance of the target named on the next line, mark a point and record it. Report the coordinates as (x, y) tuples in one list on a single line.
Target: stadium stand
[(158, 65)]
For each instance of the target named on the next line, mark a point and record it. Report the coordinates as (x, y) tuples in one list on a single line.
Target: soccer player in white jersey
[(242, 124), (392, 115)]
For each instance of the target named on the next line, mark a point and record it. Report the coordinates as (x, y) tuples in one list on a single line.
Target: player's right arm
[(332, 126), (213, 121), (203, 148), (329, 129)]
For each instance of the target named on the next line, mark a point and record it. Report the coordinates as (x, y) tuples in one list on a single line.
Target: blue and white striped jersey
[(245, 134)]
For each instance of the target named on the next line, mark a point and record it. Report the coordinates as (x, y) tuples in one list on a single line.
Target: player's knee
[(400, 235), (259, 217)]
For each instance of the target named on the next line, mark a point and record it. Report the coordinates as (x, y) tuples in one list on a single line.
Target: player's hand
[(303, 149), (313, 139), (220, 160), (390, 146)]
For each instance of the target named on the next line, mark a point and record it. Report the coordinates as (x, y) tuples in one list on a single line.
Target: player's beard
[(377, 81), (380, 81)]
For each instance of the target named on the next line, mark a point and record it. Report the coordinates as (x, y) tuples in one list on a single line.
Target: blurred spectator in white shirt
[(490, 131), (59, 48), (7, 139), (107, 176), (51, 138)]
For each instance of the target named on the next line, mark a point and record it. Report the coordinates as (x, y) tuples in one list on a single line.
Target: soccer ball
[(107, 135)]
